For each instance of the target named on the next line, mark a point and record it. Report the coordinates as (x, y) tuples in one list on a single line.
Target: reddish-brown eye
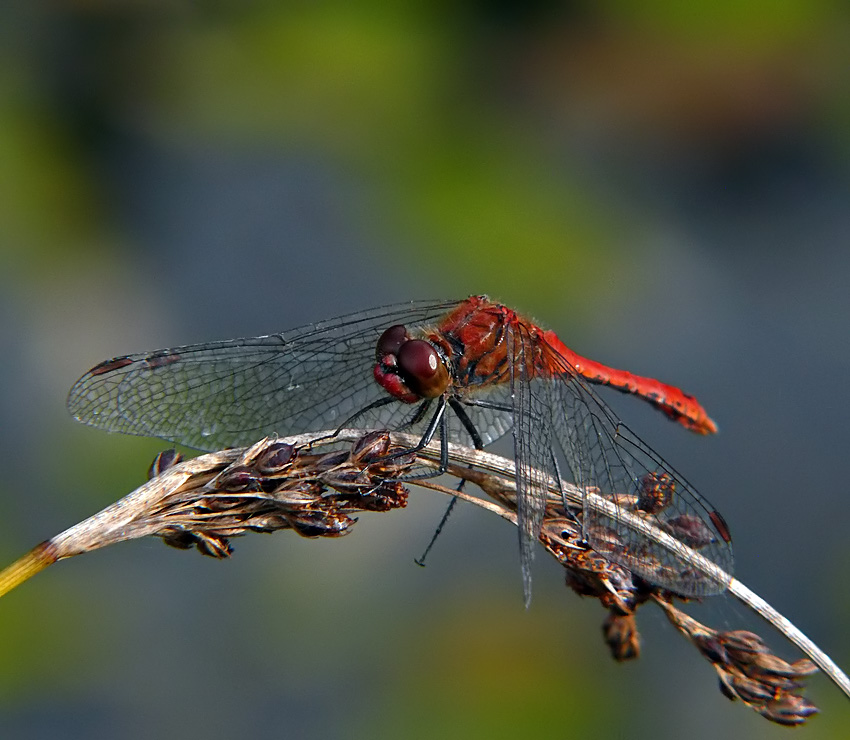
[(422, 368), (390, 341)]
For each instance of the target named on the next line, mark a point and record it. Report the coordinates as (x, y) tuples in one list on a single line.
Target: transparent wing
[(231, 393), (532, 408), (605, 457)]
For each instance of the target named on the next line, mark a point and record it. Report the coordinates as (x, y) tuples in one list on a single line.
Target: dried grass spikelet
[(748, 670), (313, 484), (746, 667), (275, 485), (207, 500)]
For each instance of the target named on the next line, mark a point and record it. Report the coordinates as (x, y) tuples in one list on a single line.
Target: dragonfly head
[(409, 369)]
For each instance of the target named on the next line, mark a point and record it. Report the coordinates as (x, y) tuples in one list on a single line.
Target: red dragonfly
[(463, 371)]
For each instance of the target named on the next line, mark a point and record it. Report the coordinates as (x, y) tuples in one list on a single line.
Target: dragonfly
[(466, 371)]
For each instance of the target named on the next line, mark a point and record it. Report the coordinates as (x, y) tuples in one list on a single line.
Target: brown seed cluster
[(277, 486), (745, 665), (749, 671), (273, 485), (316, 487)]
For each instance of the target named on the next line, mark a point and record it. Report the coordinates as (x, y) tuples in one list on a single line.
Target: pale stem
[(120, 521)]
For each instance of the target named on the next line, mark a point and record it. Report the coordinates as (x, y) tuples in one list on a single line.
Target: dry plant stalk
[(313, 483)]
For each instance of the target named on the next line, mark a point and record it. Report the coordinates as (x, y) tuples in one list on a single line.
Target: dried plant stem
[(24, 568), (106, 526), (792, 632), (504, 469), (112, 524), (312, 491), (745, 666)]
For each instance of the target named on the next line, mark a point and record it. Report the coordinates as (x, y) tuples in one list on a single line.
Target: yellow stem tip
[(35, 561)]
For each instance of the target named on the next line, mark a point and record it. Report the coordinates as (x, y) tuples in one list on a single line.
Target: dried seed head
[(330, 460), (656, 492), (749, 671), (163, 461), (237, 480), (589, 573), (604, 539), (689, 530), (346, 480), (785, 707), (791, 711), (742, 646), (274, 459), (179, 538), (301, 494), (320, 523), (273, 485), (214, 547), (386, 496), (711, 648), (622, 636), (371, 447)]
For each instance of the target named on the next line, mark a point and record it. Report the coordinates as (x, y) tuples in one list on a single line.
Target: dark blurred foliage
[(663, 183)]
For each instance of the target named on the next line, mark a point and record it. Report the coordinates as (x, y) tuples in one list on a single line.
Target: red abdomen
[(475, 337)]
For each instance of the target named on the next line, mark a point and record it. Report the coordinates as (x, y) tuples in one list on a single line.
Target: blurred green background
[(665, 184)]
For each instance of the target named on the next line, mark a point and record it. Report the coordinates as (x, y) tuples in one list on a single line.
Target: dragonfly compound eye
[(390, 341), (422, 368)]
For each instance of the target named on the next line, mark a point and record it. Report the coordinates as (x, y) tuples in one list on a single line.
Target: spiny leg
[(444, 454), (356, 415)]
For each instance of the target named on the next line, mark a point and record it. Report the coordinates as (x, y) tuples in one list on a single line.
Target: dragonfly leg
[(438, 420), (488, 405), (457, 407), (461, 414), (374, 405), (421, 560)]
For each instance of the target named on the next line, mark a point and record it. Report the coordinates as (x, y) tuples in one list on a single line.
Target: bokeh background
[(665, 184)]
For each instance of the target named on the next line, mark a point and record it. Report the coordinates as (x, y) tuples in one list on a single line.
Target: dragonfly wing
[(532, 409), (231, 393), (606, 458)]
